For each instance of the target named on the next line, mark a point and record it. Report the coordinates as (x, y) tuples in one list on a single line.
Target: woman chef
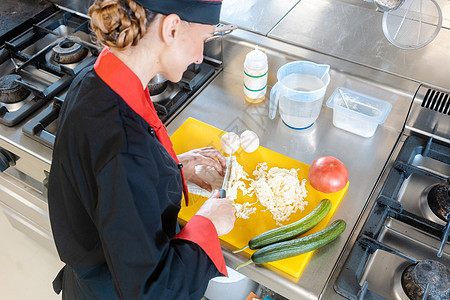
[(115, 184)]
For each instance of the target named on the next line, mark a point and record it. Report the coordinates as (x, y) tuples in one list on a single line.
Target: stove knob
[(7, 159)]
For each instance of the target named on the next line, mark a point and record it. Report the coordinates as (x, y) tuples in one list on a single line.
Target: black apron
[(73, 288)]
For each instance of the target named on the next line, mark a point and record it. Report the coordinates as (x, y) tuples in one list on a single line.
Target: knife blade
[(223, 191)]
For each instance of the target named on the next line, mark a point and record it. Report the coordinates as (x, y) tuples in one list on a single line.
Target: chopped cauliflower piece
[(244, 210), (236, 181), (279, 190)]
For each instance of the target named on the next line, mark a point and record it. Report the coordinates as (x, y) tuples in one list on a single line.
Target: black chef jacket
[(114, 196)]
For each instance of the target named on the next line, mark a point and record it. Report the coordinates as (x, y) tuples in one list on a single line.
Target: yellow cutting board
[(193, 134)]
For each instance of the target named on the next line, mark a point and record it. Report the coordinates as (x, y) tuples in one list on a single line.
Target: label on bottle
[(255, 83)]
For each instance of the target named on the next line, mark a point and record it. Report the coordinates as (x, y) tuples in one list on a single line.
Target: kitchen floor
[(27, 269)]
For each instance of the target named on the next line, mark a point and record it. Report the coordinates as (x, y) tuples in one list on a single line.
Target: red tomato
[(328, 174)]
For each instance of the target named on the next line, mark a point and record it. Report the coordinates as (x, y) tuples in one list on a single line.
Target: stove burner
[(69, 50), (433, 274), (157, 88), (167, 94), (11, 91), (157, 85), (439, 200)]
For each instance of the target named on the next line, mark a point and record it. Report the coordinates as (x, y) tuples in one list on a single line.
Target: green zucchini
[(297, 246), (292, 230)]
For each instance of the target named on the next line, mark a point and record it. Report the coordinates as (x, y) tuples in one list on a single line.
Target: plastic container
[(255, 76), (363, 114), (299, 93), (235, 286)]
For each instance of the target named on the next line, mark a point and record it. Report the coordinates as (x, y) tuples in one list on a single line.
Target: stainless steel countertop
[(353, 31), (347, 29), (259, 16), (221, 104)]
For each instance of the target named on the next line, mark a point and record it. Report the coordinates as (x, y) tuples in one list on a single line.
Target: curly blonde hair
[(119, 23)]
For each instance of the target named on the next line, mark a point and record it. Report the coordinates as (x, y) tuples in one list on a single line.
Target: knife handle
[(222, 193)]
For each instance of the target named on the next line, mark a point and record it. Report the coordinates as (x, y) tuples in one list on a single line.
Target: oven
[(38, 61), (402, 250)]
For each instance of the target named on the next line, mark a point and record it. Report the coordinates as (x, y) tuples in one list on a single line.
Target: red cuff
[(201, 231)]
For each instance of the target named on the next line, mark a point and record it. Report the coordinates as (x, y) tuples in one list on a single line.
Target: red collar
[(124, 82), (127, 85)]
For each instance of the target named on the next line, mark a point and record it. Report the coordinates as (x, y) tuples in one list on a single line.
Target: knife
[(222, 191)]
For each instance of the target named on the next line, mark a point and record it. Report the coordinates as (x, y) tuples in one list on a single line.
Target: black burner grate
[(44, 46), (387, 207), (43, 126)]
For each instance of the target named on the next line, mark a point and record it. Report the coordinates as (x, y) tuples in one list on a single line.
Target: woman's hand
[(208, 156), (220, 211)]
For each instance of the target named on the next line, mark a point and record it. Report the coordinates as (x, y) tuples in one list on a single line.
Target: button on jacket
[(115, 190)]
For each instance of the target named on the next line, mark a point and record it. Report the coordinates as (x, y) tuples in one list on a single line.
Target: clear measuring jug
[(299, 93)]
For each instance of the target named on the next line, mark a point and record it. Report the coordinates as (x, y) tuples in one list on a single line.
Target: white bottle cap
[(256, 59)]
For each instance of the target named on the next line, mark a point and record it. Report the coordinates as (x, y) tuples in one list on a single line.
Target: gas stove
[(38, 65), (167, 101), (41, 62), (403, 251)]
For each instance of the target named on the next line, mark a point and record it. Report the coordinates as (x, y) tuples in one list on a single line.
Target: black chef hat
[(196, 11)]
